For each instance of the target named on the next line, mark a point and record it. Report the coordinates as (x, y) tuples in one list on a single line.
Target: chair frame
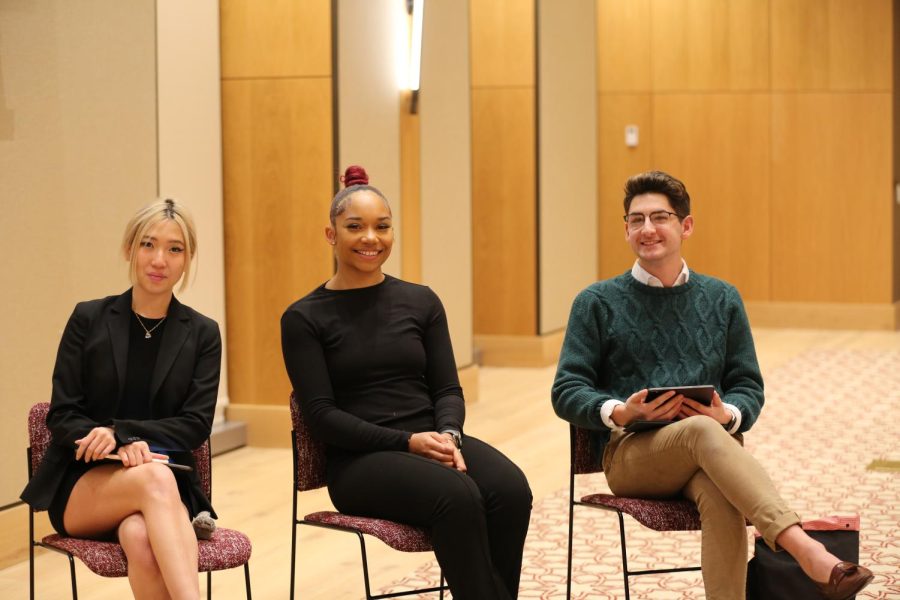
[(33, 543), (295, 522), (626, 573)]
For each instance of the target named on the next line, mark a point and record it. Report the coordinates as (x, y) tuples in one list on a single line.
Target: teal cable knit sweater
[(624, 336)]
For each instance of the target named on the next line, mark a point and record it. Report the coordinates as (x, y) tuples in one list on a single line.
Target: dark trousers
[(477, 520)]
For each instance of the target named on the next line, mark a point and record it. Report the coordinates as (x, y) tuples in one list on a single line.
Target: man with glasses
[(663, 325)]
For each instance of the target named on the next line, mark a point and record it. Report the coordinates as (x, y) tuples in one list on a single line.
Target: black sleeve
[(69, 417), (441, 373), (304, 359), (191, 423)]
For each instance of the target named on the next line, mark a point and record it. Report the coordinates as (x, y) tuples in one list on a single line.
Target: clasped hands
[(667, 407), (439, 447), (100, 442)]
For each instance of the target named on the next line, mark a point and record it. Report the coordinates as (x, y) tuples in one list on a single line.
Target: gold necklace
[(147, 332)]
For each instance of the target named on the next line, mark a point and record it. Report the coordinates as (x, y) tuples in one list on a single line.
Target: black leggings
[(477, 520)]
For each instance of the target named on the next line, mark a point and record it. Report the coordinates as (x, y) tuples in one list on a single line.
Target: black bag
[(777, 576)]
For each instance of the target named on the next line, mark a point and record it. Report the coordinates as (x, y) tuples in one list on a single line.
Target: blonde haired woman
[(135, 374)]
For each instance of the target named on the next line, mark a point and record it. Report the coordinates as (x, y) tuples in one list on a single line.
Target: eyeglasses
[(657, 218)]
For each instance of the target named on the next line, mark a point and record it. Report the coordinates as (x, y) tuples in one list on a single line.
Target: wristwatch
[(457, 439), (731, 422)]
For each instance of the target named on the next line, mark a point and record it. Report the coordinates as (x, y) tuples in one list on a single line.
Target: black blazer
[(89, 379)]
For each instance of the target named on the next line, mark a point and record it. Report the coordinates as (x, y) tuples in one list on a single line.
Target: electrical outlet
[(631, 136)]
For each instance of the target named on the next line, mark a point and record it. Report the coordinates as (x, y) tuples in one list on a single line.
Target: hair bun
[(354, 175)]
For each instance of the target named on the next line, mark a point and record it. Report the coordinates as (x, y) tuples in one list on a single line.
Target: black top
[(371, 365), (142, 353)]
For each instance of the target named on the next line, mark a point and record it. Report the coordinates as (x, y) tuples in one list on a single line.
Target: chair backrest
[(581, 456), (309, 453), (203, 464), (39, 440), (38, 435)]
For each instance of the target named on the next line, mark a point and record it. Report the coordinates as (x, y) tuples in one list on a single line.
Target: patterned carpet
[(828, 414)]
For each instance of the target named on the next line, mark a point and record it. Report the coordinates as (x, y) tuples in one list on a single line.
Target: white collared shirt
[(642, 276)]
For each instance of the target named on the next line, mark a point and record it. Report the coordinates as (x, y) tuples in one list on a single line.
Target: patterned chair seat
[(398, 536), (227, 549), (659, 515)]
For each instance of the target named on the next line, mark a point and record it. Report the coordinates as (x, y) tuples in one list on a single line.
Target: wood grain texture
[(502, 42), (504, 212), (832, 222), (896, 149), (276, 38), (623, 47), (616, 163), (520, 350), (799, 45), (859, 44), (277, 186), (709, 45), (824, 315), (718, 145), (410, 192)]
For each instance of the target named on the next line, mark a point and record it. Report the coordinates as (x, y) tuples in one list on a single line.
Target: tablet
[(701, 393)]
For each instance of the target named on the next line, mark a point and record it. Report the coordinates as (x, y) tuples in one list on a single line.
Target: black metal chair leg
[(365, 565), (624, 554), (294, 522), (247, 579), (72, 573), (569, 558), (209, 585), (31, 557), (441, 585)]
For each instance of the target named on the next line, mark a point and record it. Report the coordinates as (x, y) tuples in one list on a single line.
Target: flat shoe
[(204, 525), (846, 580)]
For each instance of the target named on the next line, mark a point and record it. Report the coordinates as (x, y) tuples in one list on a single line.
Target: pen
[(161, 461), (157, 458)]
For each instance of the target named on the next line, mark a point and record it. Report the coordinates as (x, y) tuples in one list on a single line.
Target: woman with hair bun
[(372, 367), (135, 374)]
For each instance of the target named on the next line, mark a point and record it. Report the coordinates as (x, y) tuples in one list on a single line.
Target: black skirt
[(74, 472)]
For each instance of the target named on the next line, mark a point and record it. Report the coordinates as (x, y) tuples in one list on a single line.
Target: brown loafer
[(846, 580)]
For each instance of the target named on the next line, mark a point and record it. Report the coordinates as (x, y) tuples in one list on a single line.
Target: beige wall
[(368, 40), (446, 177), (190, 145), (100, 116), (77, 157), (567, 156)]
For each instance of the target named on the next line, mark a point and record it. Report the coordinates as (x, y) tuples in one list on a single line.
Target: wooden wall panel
[(277, 165), (623, 48), (410, 192), (895, 127), (503, 212), (799, 45), (859, 44), (281, 38), (709, 45), (718, 144), (831, 197), (616, 163), (502, 42)]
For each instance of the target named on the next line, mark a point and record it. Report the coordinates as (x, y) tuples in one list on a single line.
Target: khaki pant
[(698, 459)]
